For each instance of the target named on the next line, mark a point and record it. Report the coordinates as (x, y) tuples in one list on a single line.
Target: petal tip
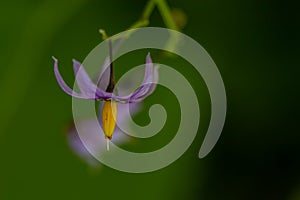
[(75, 61), (148, 56), (148, 59)]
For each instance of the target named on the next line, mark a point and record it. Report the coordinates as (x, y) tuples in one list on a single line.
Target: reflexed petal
[(148, 85), (83, 80), (149, 70), (152, 86), (64, 86)]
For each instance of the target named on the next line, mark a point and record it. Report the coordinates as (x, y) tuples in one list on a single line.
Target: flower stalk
[(111, 84)]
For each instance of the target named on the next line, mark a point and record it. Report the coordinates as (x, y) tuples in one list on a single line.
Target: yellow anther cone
[(109, 115)]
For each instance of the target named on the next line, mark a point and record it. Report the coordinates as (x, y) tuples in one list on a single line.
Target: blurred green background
[(254, 43)]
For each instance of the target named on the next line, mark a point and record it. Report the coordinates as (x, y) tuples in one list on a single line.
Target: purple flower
[(91, 91)]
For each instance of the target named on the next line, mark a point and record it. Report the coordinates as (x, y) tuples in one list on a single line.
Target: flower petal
[(83, 80), (64, 86), (151, 86), (148, 85), (149, 70)]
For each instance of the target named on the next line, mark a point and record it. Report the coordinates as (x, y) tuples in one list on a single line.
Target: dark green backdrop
[(254, 43)]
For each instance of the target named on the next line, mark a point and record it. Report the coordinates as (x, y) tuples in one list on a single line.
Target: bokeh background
[(254, 43)]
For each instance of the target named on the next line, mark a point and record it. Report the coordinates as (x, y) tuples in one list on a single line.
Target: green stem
[(148, 9), (169, 22), (164, 11), (144, 20), (166, 14), (140, 23)]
